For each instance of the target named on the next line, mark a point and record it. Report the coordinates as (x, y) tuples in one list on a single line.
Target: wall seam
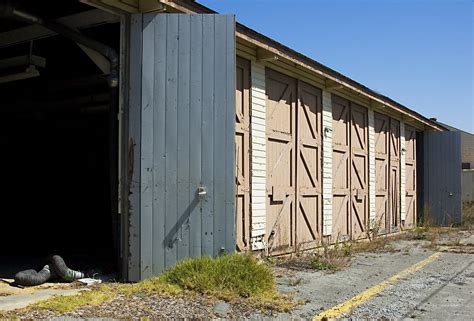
[(327, 163), (402, 172), (258, 156), (372, 178)]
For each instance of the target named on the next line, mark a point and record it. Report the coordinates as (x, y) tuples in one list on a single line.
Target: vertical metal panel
[(230, 187), (195, 146), (219, 140), (184, 76), (242, 154), (159, 133), (207, 161), (146, 222), (442, 177), (134, 148), (467, 185), (187, 138), (171, 137)]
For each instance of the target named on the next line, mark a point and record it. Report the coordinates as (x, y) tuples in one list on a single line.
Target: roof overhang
[(272, 47)]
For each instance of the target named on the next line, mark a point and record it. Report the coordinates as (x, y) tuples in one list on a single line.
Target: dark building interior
[(55, 141)]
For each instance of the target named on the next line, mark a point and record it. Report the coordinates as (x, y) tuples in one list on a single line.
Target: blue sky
[(417, 52)]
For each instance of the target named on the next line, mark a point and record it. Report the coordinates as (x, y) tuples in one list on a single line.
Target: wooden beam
[(151, 6), (99, 60), (331, 84), (377, 104), (25, 60), (118, 7), (265, 55), (76, 21)]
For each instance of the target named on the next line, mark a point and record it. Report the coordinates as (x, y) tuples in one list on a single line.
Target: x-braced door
[(350, 168), (242, 154), (293, 163), (382, 140), (341, 172), (410, 177), (281, 161), (309, 156), (359, 170), (394, 189)]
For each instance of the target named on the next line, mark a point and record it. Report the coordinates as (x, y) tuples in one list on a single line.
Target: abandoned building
[(136, 133)]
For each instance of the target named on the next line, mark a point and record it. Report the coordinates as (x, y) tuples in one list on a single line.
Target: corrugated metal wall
[(442, 177), (186, 93)]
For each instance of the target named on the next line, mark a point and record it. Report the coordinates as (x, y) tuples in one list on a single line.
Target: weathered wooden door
[(281, 107), (293, 163), (350, 168), (242, 154), (394, 189), (308, 166), (341, 172), (359, 170), (410, 177), (382, 204)]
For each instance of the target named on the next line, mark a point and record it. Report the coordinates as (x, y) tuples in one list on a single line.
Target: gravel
[(149, 306)]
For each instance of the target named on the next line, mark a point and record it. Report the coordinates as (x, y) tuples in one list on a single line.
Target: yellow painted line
[(347, 306)]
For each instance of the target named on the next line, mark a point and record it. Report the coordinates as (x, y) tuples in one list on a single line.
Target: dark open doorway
[(55, 165)]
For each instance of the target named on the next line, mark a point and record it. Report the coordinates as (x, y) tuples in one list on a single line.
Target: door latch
[(202, 192)]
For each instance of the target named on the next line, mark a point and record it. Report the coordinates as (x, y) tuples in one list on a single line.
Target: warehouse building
[(142, 132)]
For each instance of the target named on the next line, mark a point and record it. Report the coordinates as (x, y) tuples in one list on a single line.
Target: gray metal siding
[(467, 186), (442, 177), (132, 169), (187, 137)]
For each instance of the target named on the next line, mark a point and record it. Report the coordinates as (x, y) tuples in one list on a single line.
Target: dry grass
[(338, 256), (379, 244), (326, 258), (69, 303)]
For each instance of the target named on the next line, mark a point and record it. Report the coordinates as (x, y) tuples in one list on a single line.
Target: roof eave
[(277, 48)]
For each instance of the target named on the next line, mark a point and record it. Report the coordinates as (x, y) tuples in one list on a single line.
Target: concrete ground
[(13, 298), (440, 290)]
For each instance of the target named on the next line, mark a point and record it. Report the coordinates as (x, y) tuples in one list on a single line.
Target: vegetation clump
[(230, 277)]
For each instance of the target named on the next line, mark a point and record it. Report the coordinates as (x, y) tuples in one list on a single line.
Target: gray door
[(442, 178), (182, 107)]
